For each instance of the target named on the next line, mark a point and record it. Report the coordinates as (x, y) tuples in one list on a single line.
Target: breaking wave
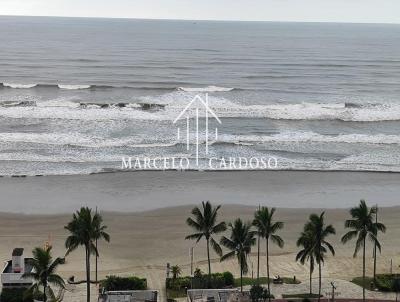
[(74, 87), (19, 86), (311, 137), (168, 106), (81, 140), (138, 85), (205, 89), (59, 86)]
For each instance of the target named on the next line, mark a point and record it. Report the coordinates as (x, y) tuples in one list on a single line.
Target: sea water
[(77, 95)]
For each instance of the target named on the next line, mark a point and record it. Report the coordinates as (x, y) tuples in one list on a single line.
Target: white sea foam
[(19, 86), (171, 104), (224, 107), (87, 114), (46, 138), (79, 139), (205, 89), (73, 87), (311, 137), (64, 102)]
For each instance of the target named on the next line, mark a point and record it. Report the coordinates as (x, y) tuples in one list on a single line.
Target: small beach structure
[(11, 276), (212, 295), (129, 296)]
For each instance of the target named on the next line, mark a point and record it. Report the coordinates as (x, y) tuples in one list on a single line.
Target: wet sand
[(140, 191)]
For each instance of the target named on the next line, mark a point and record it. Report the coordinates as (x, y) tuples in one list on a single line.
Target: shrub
[(123, 283), (384, 283), (198, 273), (178, 283), (258, 293), (396, 285), (218, 280), (15, 295), (387, 282), (229, 279)]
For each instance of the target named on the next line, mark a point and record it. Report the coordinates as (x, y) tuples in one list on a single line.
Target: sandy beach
[(143, 242)]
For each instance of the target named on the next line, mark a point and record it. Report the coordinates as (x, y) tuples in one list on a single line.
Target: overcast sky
[(369, 11)]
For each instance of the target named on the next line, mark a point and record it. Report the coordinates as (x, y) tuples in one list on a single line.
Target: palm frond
[(228, 256), (194, 224), (56, 280), (216, 247), (196, 236), (359, 244), (348, 236), (277, 240), (219, 228), (228, 243)]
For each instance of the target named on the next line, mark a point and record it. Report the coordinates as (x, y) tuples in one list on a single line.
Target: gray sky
[(370, 11)]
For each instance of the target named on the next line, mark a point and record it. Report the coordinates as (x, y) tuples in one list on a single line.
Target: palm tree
[(375, 247), (239, 243), (44, 272), (267, 228), (204, 222), (305, 241), (84, 228), (362, 226), (258, 250), (176, 271), (319, 231), (99, 233)]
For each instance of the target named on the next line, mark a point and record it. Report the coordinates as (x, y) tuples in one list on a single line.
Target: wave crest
[(205, 89), (73, 87), (19, 86), (82, 140), (311, 137), (168, 106)]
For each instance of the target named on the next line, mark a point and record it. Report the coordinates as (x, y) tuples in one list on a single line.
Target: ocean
[(77, 94)]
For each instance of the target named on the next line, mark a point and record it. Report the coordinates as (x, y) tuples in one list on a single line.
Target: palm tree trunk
[(241, 274), (364, 270), (268, 281), (96, 254), (209, 262), (374, 263), (310, 279), (375, 248), (258, 260), (87, 274), (96, 261), (44, 293), (320, 281)]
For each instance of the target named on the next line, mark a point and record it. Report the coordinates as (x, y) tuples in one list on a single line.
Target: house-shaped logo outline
[(205, 104), (208, 111)]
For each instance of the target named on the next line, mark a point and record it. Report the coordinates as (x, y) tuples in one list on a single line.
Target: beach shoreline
[(149, 190)]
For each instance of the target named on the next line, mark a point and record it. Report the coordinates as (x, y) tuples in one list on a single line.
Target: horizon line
[(202, 20)]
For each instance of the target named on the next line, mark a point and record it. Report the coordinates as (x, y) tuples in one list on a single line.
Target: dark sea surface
[(76, 95)]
